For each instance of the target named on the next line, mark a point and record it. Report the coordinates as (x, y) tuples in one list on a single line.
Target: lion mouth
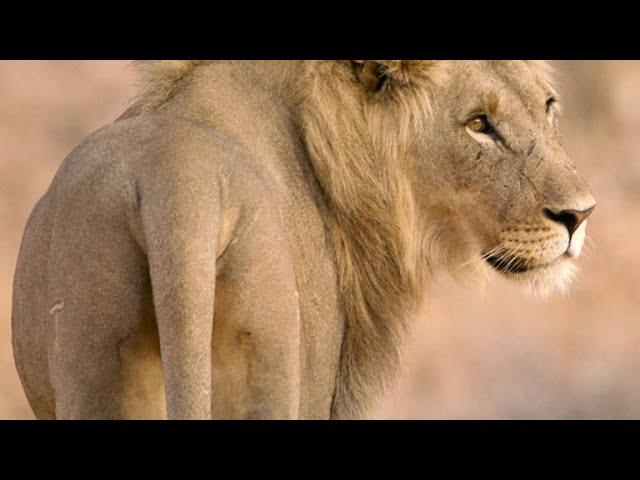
[(513, 265), (508, 264)]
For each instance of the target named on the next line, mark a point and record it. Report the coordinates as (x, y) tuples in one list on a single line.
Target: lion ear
[(375, 75), (372, 74)]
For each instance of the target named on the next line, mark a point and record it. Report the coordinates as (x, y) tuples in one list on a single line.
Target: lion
[(250, 239)]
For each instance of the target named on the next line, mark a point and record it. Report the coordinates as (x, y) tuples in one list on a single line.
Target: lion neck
[(375, 230)]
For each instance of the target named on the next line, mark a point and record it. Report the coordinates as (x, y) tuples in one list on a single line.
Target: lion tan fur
[(158, 81)]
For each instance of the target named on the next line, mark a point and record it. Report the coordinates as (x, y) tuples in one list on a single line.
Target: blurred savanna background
[(492, 354)]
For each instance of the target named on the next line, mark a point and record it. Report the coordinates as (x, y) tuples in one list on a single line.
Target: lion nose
[(571, 219)]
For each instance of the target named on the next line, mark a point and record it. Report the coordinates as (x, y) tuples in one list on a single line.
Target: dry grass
[(497, 355)]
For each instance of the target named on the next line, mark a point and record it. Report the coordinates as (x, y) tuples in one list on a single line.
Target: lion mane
[(359, 150)]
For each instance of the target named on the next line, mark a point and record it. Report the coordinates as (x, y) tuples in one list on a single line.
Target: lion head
[(512, 192), (437, 163), (480, 146)]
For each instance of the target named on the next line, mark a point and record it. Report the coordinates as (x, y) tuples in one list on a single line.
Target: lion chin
[(545, 280)]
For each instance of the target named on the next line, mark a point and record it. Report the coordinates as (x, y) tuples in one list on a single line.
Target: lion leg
[(96, 343), (88, 385), (84, 334), (104, 358), (180, 228), (83, 361), (256, 329)]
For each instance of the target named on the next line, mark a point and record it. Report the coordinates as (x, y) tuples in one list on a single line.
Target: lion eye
[(479, 124)]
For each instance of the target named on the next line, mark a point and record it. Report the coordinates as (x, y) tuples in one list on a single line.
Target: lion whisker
[(479, 257)]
